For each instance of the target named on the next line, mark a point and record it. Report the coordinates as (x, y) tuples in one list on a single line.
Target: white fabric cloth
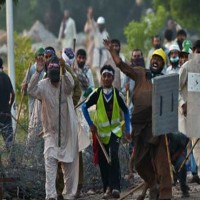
[(69, 33), (101, 54), (89, 30), (70, 176), (183, 81), (35, 122), (171, 70), (68, 150), (183, 75)]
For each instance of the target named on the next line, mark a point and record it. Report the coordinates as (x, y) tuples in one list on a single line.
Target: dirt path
[(194, 194)]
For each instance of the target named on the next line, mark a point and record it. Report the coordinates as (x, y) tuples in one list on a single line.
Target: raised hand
[(108, 45), (40, 64)]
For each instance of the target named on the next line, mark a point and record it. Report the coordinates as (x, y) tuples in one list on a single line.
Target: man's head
[(181, 36), (53, 70), (187, 49), (174, 54), (169, 35), (137, 58), (196, 47), (1, 63), (81, 58), (156, 41), (116, 45), (66, 14), (158, 60), (101, 23), (39, 53), (49, 52), (107, 76), (90, 12)]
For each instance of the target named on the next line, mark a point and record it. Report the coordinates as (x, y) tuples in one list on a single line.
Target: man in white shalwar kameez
[(67, 31), (47, 91)]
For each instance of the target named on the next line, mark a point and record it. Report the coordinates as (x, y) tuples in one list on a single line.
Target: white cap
[(174, 47), (101, 20)]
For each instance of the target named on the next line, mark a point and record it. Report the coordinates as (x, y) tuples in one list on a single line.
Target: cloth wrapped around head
[(53, 70), (68, 56)]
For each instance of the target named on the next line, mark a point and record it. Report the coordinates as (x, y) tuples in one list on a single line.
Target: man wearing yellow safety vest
[(109, 101)]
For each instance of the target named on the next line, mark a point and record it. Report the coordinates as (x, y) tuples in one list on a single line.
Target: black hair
[(196, 45), (169, 34), (54, 59), (137, 49), (116, 41), (181, 32), (81, 52), (155, 36), (108, 67), (1, 63)]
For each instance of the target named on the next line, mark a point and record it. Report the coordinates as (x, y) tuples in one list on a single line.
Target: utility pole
[(10, 46)]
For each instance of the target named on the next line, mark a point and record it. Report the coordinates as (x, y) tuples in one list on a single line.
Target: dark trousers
[(6, 130), (182, 175), (110, 174)]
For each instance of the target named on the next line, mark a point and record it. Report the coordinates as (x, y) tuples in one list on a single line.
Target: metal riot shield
[(193, 99), (165, 104)]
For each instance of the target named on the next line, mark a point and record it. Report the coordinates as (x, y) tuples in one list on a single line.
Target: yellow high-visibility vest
[(104, 126)]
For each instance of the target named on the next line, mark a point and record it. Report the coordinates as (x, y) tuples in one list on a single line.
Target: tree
[(185, 12), (23, 57), (138, 34)]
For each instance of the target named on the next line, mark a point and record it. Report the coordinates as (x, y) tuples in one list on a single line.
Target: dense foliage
[(23, 58), (139, 34)]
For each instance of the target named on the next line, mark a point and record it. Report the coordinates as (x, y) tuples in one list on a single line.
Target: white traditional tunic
[(68, 29), (68, 150), (187, 68)]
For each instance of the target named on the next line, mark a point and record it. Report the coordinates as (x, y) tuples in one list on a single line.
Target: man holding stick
[(107, 128), (48, 91), (150, 151)]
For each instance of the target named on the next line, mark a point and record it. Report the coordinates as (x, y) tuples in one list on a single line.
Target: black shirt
[(5, 90)]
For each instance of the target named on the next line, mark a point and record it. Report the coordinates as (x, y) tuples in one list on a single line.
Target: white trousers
[(70, 175)]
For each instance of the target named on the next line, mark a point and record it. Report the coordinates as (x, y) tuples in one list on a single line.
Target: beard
[(138, 62), (54, 75)]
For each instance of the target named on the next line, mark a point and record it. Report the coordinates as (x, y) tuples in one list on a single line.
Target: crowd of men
[(65, 105)]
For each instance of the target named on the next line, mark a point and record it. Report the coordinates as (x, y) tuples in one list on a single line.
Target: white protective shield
[(165, 104), (193, 100)]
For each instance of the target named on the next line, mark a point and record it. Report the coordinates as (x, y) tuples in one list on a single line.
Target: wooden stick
[(80, 103), (132, 190), (21, 101), (74, 48), (20, 107), (74, 44), (169, 158), (127, 98), (104, 151), (182, 164)]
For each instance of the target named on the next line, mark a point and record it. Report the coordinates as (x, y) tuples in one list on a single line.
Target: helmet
[(160, 53), (174, 47), (101, 20), (187, 46)]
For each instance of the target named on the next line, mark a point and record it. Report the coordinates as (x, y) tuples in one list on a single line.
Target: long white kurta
[(69, 33), (183, 87), (49, 95)]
